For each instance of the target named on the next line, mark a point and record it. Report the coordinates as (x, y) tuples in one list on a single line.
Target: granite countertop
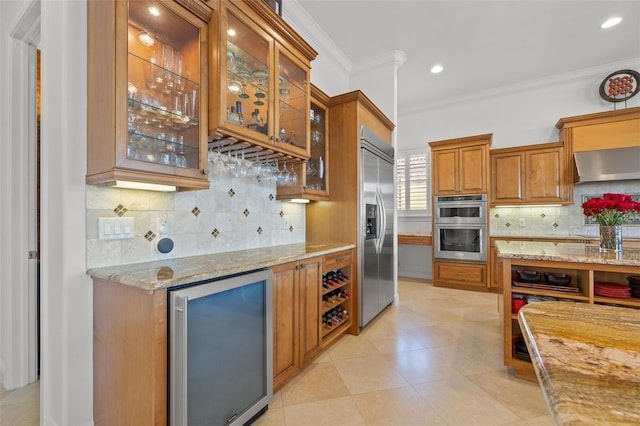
[(544, 237), (567, 252), (174, 272), (587, 359)]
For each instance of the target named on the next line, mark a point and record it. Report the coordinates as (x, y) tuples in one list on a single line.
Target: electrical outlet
[(115, 228), (521, 222)]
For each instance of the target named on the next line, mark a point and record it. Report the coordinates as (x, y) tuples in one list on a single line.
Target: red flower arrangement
[(611, 209)]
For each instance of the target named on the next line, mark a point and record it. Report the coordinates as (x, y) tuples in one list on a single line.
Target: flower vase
[(610, 237)]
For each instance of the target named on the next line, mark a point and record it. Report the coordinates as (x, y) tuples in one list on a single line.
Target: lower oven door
[(460, 242)]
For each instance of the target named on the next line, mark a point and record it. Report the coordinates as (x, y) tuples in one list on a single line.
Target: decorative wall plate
[(620, 86)]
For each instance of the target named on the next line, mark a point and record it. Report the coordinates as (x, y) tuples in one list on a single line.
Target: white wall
[(516, 115), (67, 367)]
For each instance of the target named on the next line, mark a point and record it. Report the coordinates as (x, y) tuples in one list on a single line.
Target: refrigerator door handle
[(382, 222)]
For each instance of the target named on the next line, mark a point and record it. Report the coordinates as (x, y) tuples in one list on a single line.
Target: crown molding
[(309, 29), (394, 57)]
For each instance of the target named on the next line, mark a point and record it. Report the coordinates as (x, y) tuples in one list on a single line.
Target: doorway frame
[(20, 313)]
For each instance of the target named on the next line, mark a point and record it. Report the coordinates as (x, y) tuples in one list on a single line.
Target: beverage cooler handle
[(382, 223)]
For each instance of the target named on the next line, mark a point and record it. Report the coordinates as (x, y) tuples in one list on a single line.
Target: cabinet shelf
[(344, 323), (330, 289), (327, 307), (633, 302), (550, 293)]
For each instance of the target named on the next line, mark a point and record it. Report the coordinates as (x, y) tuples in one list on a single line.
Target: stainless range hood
[(608, 164)]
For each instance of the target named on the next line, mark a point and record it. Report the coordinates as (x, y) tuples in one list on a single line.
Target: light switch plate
[(115, 228)]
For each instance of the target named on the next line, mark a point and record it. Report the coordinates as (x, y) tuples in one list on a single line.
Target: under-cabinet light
[(522, 206), (154, 11), (126, 184), (298, 200), (231, 32)]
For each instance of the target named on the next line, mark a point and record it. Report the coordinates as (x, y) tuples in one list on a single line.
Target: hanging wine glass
[(293, 177)]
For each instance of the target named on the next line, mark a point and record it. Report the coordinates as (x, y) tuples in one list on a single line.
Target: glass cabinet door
[(246, 96), (293, 103), (163, 85), (317, 165)]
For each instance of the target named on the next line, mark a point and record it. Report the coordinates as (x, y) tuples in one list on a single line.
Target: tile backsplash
[(561, 220), (234, 214)]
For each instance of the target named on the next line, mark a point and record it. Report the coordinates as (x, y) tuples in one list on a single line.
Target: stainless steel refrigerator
[(376, 204)]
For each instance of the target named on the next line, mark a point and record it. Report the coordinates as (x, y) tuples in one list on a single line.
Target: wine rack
[(337, 295)]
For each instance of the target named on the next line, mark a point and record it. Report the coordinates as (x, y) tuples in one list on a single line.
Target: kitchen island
[(583, 264), (587, 359)]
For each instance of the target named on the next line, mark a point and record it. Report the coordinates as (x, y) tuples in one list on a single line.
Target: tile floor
[(435, 358)]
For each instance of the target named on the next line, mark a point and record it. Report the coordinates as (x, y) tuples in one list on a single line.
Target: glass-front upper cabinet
[(264, 77), (147, 106), (246, 92), (313, 174), (163, 86)]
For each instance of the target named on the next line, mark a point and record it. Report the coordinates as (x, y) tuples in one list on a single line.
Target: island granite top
[(587, 359), (168, 273), (566, 252)]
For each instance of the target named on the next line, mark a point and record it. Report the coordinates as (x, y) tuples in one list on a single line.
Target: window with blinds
[(412, 182)]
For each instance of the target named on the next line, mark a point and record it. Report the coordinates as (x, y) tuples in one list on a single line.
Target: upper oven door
[(448, 210)]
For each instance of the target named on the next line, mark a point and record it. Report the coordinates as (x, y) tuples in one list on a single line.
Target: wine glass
[(293, 177)]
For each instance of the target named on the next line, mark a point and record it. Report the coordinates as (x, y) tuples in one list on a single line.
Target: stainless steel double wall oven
[(460, 227)]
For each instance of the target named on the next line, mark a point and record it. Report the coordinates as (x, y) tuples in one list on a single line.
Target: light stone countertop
[(587, 359), (567, 252), (186, 270)]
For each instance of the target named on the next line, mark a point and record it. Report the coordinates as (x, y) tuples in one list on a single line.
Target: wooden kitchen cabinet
[(147, 103), (337, 295), (296, 317), (260, 89), (460, 166), (532, 174), (603, 130), (337, 220), (465, 276), (313, 181)]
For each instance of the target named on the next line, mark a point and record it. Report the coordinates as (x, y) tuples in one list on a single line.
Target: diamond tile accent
[(246, 212), (496, 215), (259, 230), (215, 233), (542, 215), (507, 224), (271, 197), (555, 225), (231, 192), (150, 236), (281, 213), (120, 210), (196, 211), (291, 229)]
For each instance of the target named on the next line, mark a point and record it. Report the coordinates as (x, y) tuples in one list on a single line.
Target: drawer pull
[(340, 259)]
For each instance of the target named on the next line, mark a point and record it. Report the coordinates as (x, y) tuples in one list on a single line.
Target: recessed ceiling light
[(437, 69), (611, 22)]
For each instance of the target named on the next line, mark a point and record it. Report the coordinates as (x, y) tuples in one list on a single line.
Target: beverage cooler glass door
[(460, 242), (221, 351)]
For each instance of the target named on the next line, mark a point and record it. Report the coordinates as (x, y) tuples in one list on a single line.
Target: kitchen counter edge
[(163, 274), (566, 252), (578, 347)]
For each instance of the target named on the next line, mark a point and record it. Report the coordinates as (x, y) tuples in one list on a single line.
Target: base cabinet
[(312, 305), (466, 276), (296, 323)]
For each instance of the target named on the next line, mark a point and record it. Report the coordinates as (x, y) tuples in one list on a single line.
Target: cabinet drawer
[(338, 260), (462, 273)]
